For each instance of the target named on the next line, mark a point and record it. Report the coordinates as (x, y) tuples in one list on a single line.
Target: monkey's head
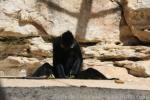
[(67, 40)]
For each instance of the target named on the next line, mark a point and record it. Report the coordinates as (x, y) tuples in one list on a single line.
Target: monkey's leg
[(43, 71), (72, 66), (68, 65), (59, 71), (76, 67)]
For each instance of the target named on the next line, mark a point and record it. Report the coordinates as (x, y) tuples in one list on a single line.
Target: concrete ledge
[(18, 89)]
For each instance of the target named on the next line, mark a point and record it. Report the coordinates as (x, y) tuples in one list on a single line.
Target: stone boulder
[(39, 48), (9, 17), (108, 70), (138, 68), (113, 52), (137, 15), (26, 47), (13, 66)]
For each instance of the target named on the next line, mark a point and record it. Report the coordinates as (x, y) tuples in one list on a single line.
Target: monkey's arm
[(77, 65)]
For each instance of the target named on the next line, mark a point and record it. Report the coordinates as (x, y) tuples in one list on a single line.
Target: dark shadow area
[(2, 93), (90, 73), (86, 44), (104, 12), (83, 19), (83, 16), (56, 7)]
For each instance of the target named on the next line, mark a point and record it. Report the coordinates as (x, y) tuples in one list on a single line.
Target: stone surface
[(138, 68), (23, 20), (116, 52), (109, 70), (137, 14), (12, 22), (100, 24), (17, 48), (39, 48), (89, 20), (73, 89), (128, 57), (12, 65), (27, 47)]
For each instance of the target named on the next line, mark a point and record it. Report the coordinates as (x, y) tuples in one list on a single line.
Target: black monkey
[(67, 57)]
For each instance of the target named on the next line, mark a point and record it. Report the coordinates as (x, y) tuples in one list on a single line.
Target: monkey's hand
[(51, 76), (72, 76)]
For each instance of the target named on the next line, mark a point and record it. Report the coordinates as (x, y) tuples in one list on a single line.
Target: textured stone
[(13, 48), (138, 68), (39, 48), (22, 22), (28, 47), (11, 25), (9, 17), (14, 30), (137, 15), (116, 52), (12, 66), (14, 89), (89, 20), (109, 70)]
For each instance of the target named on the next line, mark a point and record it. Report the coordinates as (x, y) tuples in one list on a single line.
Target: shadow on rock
[(90, 73)]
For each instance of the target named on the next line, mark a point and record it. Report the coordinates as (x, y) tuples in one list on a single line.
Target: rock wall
[(136, 14), (103, 27)]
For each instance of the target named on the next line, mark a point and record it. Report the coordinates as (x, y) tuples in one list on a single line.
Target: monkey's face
[(67, 46), (67, 40)]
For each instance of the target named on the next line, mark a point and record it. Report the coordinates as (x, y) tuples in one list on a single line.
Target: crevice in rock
[(118, 43), (86, 44), (13, 39), (121, 59)]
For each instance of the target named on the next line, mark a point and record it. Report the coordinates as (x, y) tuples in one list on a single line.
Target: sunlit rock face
[(89, 20), (103, 27), (137, 15)]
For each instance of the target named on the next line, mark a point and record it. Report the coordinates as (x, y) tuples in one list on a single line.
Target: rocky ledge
[(16, 89)]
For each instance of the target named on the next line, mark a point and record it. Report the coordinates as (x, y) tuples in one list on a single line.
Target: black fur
[(44, 70), (67, 57)]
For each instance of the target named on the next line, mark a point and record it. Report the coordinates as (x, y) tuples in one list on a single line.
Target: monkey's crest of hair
[(67, 39)]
